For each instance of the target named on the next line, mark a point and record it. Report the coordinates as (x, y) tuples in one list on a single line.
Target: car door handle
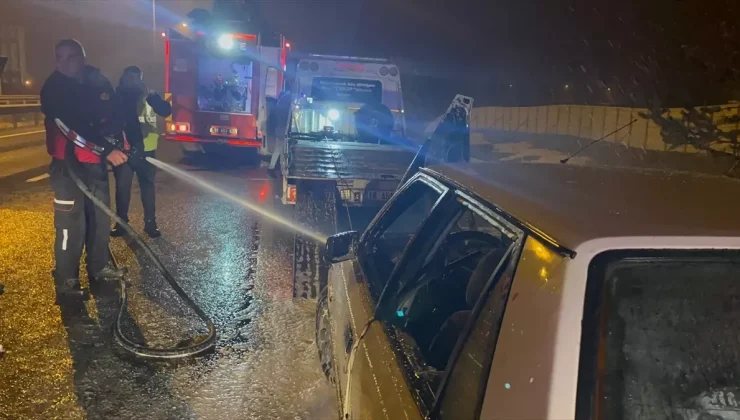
[(349, 338)]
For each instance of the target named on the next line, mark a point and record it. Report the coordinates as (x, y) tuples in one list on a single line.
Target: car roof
[(573, 204)]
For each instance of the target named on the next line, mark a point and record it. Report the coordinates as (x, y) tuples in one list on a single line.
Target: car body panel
[(535, 367), (548, 315), (369, 376)]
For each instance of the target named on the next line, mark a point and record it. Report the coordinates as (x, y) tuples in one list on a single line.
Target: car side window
[(466, 384), (435, 304), (393, 231)]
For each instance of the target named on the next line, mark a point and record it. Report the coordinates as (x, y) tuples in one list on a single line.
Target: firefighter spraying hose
[(199, 344)]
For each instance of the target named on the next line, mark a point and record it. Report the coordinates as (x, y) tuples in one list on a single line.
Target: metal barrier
[(20, 111), (19, 101)]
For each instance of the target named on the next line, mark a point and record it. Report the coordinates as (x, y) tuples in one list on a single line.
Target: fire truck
[(222, 84)]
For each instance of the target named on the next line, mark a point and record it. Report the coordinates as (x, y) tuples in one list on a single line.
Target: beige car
[(532, 291)]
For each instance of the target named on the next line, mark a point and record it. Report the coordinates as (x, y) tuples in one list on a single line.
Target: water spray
[(183, 175)]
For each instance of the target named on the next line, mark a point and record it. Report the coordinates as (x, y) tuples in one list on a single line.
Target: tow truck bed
[(328, 160)]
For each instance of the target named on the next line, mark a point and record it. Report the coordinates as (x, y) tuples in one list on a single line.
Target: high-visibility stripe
[(64, 238), (69, 202), (168, 98)]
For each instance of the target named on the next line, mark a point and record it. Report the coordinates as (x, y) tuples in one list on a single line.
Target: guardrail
[(20, 111), (19, 101)]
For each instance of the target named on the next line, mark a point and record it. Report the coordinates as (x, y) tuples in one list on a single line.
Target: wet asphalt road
[(61, 362)]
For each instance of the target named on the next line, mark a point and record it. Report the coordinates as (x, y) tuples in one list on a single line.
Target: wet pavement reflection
[(60, 362)]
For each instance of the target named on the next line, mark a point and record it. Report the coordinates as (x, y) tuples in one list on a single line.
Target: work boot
[(117, 231), (109, 273), (70, 290), (150, 227)]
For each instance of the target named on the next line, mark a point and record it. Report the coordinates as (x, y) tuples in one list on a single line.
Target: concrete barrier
[(21, 120), (585, 122)]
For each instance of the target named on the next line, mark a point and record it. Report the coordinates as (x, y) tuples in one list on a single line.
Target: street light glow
[(164, 35), (184, 25)]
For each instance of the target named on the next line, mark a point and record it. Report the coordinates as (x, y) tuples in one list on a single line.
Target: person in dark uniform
[(374, 123), (140, 108), (81, 97)]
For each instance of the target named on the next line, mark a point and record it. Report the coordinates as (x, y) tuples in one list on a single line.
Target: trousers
[(124, 175), (77, 221)]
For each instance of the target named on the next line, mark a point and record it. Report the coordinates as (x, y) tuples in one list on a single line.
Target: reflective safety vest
[(148, 123)]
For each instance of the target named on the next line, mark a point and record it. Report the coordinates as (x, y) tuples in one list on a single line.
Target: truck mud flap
[(315, 209)]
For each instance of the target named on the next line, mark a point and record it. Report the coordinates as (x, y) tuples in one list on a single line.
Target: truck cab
[(345, 124), (220, 83)]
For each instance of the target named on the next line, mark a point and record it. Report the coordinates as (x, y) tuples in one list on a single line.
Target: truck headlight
[(226, 41), (333, 115)]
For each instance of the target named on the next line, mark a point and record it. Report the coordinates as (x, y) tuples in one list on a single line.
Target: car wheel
[(323, 336)]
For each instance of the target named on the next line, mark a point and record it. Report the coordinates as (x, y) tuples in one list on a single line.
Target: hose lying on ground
[(199, 344)]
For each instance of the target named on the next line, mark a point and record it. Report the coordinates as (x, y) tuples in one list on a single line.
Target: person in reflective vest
[(140, 108)]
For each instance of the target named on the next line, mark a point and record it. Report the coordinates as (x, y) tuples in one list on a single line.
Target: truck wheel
[(315, 209), (252, 157), (324, 343), (192, 153)]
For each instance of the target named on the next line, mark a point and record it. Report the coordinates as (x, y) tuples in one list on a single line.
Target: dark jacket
[(89, 108), (131, 101)]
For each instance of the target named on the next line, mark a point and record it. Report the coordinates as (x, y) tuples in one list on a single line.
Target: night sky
[(505, 52)]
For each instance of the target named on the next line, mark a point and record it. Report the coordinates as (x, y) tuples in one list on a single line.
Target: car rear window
[(669, 338)]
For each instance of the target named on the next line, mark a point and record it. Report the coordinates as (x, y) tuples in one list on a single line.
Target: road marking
[(38, 178), (22, 134)]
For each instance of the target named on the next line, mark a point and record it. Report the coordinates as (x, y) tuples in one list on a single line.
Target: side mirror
[(341, 247)]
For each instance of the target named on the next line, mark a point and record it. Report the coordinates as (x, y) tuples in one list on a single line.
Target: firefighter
[(140, 108), (81, 97)]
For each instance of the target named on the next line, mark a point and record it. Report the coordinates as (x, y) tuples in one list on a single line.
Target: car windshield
[(671, 344)]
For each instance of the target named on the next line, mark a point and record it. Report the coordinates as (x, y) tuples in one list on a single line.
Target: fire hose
[(198, 345)]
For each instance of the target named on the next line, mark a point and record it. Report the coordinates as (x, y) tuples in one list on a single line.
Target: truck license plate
[(223, 131), (378, 195)]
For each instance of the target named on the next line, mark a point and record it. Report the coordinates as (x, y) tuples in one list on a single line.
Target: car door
[(354, 289), (436, 295)]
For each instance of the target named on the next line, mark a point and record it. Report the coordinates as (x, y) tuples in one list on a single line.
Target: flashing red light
[(167, 65), (245, 36), (186, 138), (287, 45), (292, 193), (244, 143), (264, 191), (351, 67)]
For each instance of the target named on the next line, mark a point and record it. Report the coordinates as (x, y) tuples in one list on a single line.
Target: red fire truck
[(222, 86)]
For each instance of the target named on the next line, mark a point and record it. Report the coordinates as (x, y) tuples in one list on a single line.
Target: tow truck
[(344, 146), (221, 83)]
